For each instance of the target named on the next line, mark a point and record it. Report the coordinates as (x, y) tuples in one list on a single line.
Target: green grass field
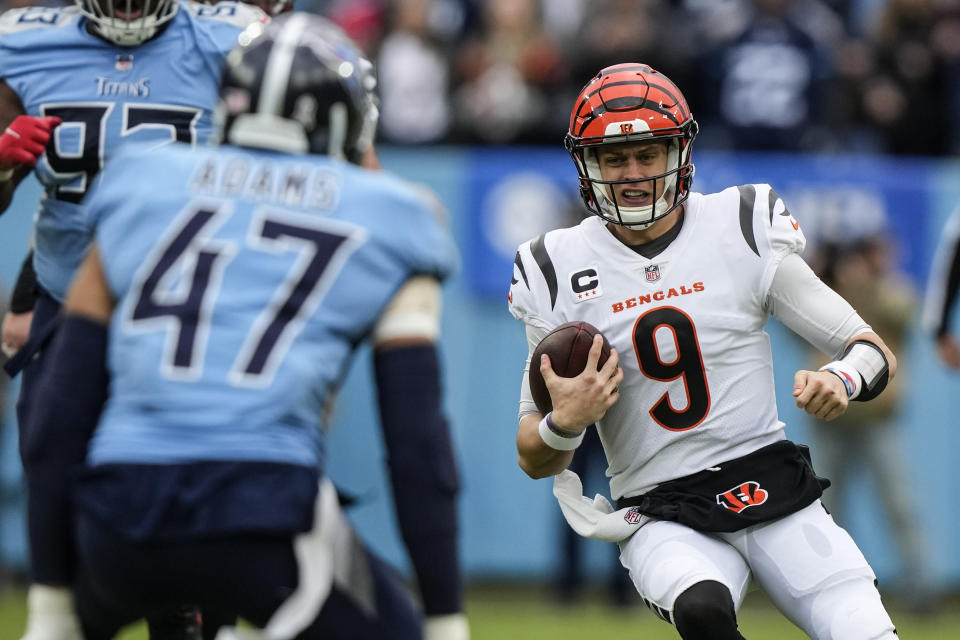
[(511, 612)]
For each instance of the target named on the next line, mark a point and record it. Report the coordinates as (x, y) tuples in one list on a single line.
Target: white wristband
[(554, 438), (6, 174), (848, 374)]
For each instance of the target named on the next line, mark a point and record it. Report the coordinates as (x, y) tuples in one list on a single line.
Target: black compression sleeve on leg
[(69, 399), (705, 611), (423, 470), (25, 291)]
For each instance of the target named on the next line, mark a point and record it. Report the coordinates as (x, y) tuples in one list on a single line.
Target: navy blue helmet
[(298, 84)]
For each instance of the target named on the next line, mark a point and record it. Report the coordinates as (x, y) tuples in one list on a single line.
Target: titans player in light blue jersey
[(111, 71), (104, 74), (204, 335), (76, 83)]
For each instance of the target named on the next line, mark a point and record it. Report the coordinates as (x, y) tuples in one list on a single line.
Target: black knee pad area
[(705, 612)]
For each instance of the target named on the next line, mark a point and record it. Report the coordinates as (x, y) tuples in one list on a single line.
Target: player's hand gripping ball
[(568, 347)]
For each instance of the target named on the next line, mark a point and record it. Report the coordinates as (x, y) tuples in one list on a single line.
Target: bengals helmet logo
[(742, 496)]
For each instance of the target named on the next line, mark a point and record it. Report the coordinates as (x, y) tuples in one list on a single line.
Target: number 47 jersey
[(162, 91), (688, 324), (244, 281)]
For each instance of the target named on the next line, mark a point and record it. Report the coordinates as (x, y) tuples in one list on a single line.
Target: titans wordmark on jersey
[(688, 325), (161, 91)]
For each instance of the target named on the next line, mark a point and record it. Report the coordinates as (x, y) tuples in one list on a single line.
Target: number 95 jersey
[(688, 324), (161, 91)]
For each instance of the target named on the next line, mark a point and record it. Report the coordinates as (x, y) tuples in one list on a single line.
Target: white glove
[(51, 615), (449, 627)]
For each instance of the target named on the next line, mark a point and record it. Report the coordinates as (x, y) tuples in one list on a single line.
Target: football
[(568, 347)]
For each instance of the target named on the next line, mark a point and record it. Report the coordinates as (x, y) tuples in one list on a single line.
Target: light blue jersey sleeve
[(218, 25), (24, 33), (415, 218)]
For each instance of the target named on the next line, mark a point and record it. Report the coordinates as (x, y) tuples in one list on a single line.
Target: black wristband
[(25, 291)]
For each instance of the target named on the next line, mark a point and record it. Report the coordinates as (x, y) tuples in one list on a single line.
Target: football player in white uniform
[(709, 491)]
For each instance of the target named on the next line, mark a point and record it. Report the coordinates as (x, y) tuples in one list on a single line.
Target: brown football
[(568, 347)]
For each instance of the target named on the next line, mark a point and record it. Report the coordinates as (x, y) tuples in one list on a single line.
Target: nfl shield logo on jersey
[(632, 516), (124, 62), (652, 272), (742, 496)]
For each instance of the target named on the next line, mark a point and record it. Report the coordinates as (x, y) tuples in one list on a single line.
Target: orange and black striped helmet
[(631, 103)]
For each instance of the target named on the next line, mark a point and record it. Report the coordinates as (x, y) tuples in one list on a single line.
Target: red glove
[(24, 140)]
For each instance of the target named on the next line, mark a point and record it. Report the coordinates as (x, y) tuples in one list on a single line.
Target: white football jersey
[(688, 324)]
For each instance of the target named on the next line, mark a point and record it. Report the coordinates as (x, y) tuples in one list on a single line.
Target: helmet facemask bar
[(600, 195), (128, 23)]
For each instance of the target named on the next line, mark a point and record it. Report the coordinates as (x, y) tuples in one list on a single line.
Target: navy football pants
[(250, 574), (42, 328)]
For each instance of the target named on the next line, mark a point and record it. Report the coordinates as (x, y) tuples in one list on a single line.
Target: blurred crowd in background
[(878, 76)]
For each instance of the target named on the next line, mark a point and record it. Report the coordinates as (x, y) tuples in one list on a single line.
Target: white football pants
[(809, 566)]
